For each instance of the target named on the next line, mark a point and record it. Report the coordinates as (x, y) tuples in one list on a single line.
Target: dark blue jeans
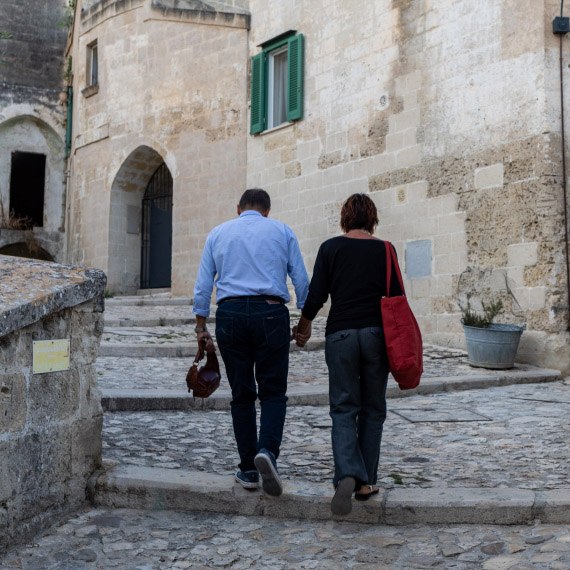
[(358, 374), (253, 337)]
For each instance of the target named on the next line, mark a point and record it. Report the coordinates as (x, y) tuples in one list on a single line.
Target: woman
[(352, 269)]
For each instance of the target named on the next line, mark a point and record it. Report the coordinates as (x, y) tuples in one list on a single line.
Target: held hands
[(302, 332)]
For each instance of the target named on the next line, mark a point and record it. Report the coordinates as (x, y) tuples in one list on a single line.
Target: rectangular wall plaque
[(50, 356)]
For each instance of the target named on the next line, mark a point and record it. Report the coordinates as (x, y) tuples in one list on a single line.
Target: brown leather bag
[(205, 380)]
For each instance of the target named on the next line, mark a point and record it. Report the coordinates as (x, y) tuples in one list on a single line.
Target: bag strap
[(199, 355), (391, 259)]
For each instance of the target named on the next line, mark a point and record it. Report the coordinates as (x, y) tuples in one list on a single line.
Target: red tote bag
[(401, 331)]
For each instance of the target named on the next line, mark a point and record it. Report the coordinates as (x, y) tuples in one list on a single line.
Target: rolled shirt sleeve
[(205, 281), (297, 271)]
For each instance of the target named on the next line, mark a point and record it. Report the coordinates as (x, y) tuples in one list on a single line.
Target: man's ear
[(265, 213), (238, 210)]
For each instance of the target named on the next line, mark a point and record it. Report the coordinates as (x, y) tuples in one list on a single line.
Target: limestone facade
[(50, 421), (32, 116), (447, 113)]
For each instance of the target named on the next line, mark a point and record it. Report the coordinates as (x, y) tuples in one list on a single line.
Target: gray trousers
[(358, 374)]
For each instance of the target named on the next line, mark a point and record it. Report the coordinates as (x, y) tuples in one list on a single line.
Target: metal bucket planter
[(493, 347)]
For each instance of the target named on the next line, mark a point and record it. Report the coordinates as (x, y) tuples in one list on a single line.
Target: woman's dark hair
[(358, 212), (255, 198)]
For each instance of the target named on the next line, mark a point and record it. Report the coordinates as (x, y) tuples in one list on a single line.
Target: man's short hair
[(256, 199)]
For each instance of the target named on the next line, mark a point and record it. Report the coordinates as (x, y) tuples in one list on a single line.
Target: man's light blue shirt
[(250, 255)]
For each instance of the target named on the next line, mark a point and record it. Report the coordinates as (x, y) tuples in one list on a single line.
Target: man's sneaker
[(267, 467), (248, 479)]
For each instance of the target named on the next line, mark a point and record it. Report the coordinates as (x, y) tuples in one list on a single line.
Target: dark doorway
[(29, 250), (27, 183), (156, 259)]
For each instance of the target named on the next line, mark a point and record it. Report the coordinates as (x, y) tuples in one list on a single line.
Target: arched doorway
[(156, 242), (138, 240), (30, 250)]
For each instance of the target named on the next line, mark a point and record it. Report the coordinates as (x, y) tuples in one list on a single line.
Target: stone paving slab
[(524, 445), (305, 368), (128, 539)]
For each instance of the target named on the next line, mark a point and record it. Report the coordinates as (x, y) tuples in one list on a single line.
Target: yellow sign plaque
[(50, 356)]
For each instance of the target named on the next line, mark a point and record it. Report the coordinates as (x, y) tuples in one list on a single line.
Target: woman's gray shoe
[(341, 503), (267, 467)]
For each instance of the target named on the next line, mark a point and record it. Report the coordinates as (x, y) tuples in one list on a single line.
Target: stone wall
[(50, 423), (172, 89), (32, 113), (446, 114)]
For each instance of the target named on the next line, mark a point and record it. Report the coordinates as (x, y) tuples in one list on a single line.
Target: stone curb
[(173, 350), (124, 486), (134, 322), (147, 301), (116, 400)]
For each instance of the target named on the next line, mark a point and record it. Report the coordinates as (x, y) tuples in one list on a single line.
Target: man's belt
[(254, 298)]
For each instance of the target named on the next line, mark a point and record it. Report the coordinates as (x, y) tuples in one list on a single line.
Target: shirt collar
[(250, 213)]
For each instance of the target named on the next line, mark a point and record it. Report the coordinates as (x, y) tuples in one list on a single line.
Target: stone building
[(32, 127), (447, 113)]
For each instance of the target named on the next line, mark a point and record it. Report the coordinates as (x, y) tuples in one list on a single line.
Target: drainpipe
[(68, 124), (560, 27)]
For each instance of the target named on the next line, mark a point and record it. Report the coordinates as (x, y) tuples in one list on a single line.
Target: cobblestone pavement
[(514, 436), (134, 540), (305, 368)]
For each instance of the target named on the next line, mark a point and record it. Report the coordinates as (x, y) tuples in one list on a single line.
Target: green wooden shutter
[(257, 93), (296, 68)]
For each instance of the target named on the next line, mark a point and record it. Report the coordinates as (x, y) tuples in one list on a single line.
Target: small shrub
[(490, 311)]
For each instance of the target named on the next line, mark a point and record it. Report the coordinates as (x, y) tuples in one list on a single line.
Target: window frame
[(271, 81), (262, 118), (92, 74)]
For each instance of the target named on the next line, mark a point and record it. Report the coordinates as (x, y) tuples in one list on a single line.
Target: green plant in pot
[(490, 345)]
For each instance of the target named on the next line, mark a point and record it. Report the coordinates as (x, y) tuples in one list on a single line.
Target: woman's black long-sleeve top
[(353, 272)]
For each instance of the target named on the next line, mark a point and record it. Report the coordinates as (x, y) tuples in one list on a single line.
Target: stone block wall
[(32, 110), (447, 114), (172, 88), (50, 423)]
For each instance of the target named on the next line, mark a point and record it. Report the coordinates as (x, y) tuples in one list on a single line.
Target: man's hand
[(205, 341), (302, 332)]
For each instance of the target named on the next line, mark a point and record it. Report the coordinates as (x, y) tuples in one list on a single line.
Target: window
[(92, 65), (277, 83)]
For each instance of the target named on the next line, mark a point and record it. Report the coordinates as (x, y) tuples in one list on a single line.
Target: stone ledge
[(124, 486), (173, 350), (117, 400), (31, 290)]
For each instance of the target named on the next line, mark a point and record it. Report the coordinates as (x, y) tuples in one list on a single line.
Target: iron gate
[(156, 255)]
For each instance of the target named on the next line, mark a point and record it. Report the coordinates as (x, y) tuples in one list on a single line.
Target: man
[(248, 259)]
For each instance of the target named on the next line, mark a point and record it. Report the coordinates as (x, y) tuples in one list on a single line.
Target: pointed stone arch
[(126, 237)]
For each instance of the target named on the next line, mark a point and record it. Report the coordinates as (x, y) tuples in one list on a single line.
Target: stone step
[(142, 321), (153, 488), (168, 350), (149, 300), (115, 400)]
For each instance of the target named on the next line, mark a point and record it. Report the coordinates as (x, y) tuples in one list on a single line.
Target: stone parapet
[(50, 422)]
